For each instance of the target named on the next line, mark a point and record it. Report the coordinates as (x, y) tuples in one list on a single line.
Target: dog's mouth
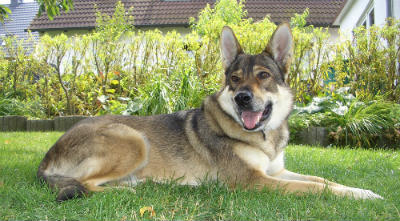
[(253, 119)]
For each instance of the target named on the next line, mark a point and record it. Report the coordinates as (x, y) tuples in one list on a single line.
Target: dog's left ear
[(280, 46)]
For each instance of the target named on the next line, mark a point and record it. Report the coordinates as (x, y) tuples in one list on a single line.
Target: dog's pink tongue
[(250, 119)]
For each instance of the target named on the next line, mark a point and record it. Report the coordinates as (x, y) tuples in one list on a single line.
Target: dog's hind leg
[(128, 152), (109, 153)]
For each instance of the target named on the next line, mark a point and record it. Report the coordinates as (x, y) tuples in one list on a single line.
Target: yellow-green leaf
[(148, 209), (112, 91)]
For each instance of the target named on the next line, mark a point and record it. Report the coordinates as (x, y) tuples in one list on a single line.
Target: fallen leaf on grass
[(147, 209), (1, 183), (7, 142)]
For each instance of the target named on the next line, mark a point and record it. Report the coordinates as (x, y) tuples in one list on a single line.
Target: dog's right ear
[(280, 46), (230, 47)]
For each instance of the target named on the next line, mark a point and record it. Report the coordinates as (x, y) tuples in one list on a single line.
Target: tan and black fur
[(237, 136)]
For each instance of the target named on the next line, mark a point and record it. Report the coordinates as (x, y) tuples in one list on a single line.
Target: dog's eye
[(263, 75), (235, 78)]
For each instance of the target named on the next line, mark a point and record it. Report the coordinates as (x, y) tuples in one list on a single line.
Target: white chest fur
[(260, 161)]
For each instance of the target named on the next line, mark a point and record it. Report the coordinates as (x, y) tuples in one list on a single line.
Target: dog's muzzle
[(251, 119)]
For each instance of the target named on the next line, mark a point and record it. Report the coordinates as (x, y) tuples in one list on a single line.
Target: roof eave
[(93, 27), (148, 26), (184, 25), (59, 29), (325, 26), (343, 11)]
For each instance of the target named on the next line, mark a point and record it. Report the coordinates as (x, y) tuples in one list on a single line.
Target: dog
[(237, 136)]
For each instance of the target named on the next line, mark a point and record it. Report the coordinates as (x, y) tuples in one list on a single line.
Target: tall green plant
[(17, 76), (117, 67), (107, 45), (311, 59), (4, 65), (79, 54), (211, 20), (363, 123), (369, 63), (58, 56)]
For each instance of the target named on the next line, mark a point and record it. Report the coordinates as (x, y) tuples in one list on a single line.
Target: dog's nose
[(243, 98)]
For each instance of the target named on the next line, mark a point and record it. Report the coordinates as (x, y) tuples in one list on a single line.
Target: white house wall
[(396, 9), (333, 35), (181, 30), (355, 11)]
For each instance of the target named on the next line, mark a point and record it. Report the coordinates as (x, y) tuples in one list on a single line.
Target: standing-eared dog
[(237, 136)]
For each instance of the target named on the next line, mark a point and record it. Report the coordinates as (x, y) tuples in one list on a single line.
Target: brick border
[(20, 123)]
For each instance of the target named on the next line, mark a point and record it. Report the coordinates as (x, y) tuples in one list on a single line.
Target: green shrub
[(13, 106), (17, 68), (365, 123), (368, 63), (350, 121), (152, 72)]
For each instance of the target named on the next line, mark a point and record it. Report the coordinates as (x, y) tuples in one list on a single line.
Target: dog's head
[(255, 94)]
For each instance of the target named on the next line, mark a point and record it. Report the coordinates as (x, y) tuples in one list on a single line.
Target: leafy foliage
[(363, 124), (53, 7), (369, 63), (351, 122), (119, 69), (211, 20), (4, 12), (13, 106)]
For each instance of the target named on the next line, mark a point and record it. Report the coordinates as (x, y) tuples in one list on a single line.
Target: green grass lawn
[(22, 197)]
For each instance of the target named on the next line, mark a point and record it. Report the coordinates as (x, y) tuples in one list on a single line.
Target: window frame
[(365, 16)]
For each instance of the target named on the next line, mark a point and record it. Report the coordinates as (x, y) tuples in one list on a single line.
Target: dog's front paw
[(358, 193)]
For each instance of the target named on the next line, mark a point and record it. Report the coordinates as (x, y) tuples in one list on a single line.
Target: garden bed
[(310, 135)]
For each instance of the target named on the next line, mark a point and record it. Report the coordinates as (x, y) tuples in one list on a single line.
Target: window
[(371, 17), (368, 19), (389, 8)]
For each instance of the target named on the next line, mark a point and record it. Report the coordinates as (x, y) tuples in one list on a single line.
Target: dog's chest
[(260, 160)]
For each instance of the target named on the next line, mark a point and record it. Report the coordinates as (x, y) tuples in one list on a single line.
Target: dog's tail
[(68, 187)]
